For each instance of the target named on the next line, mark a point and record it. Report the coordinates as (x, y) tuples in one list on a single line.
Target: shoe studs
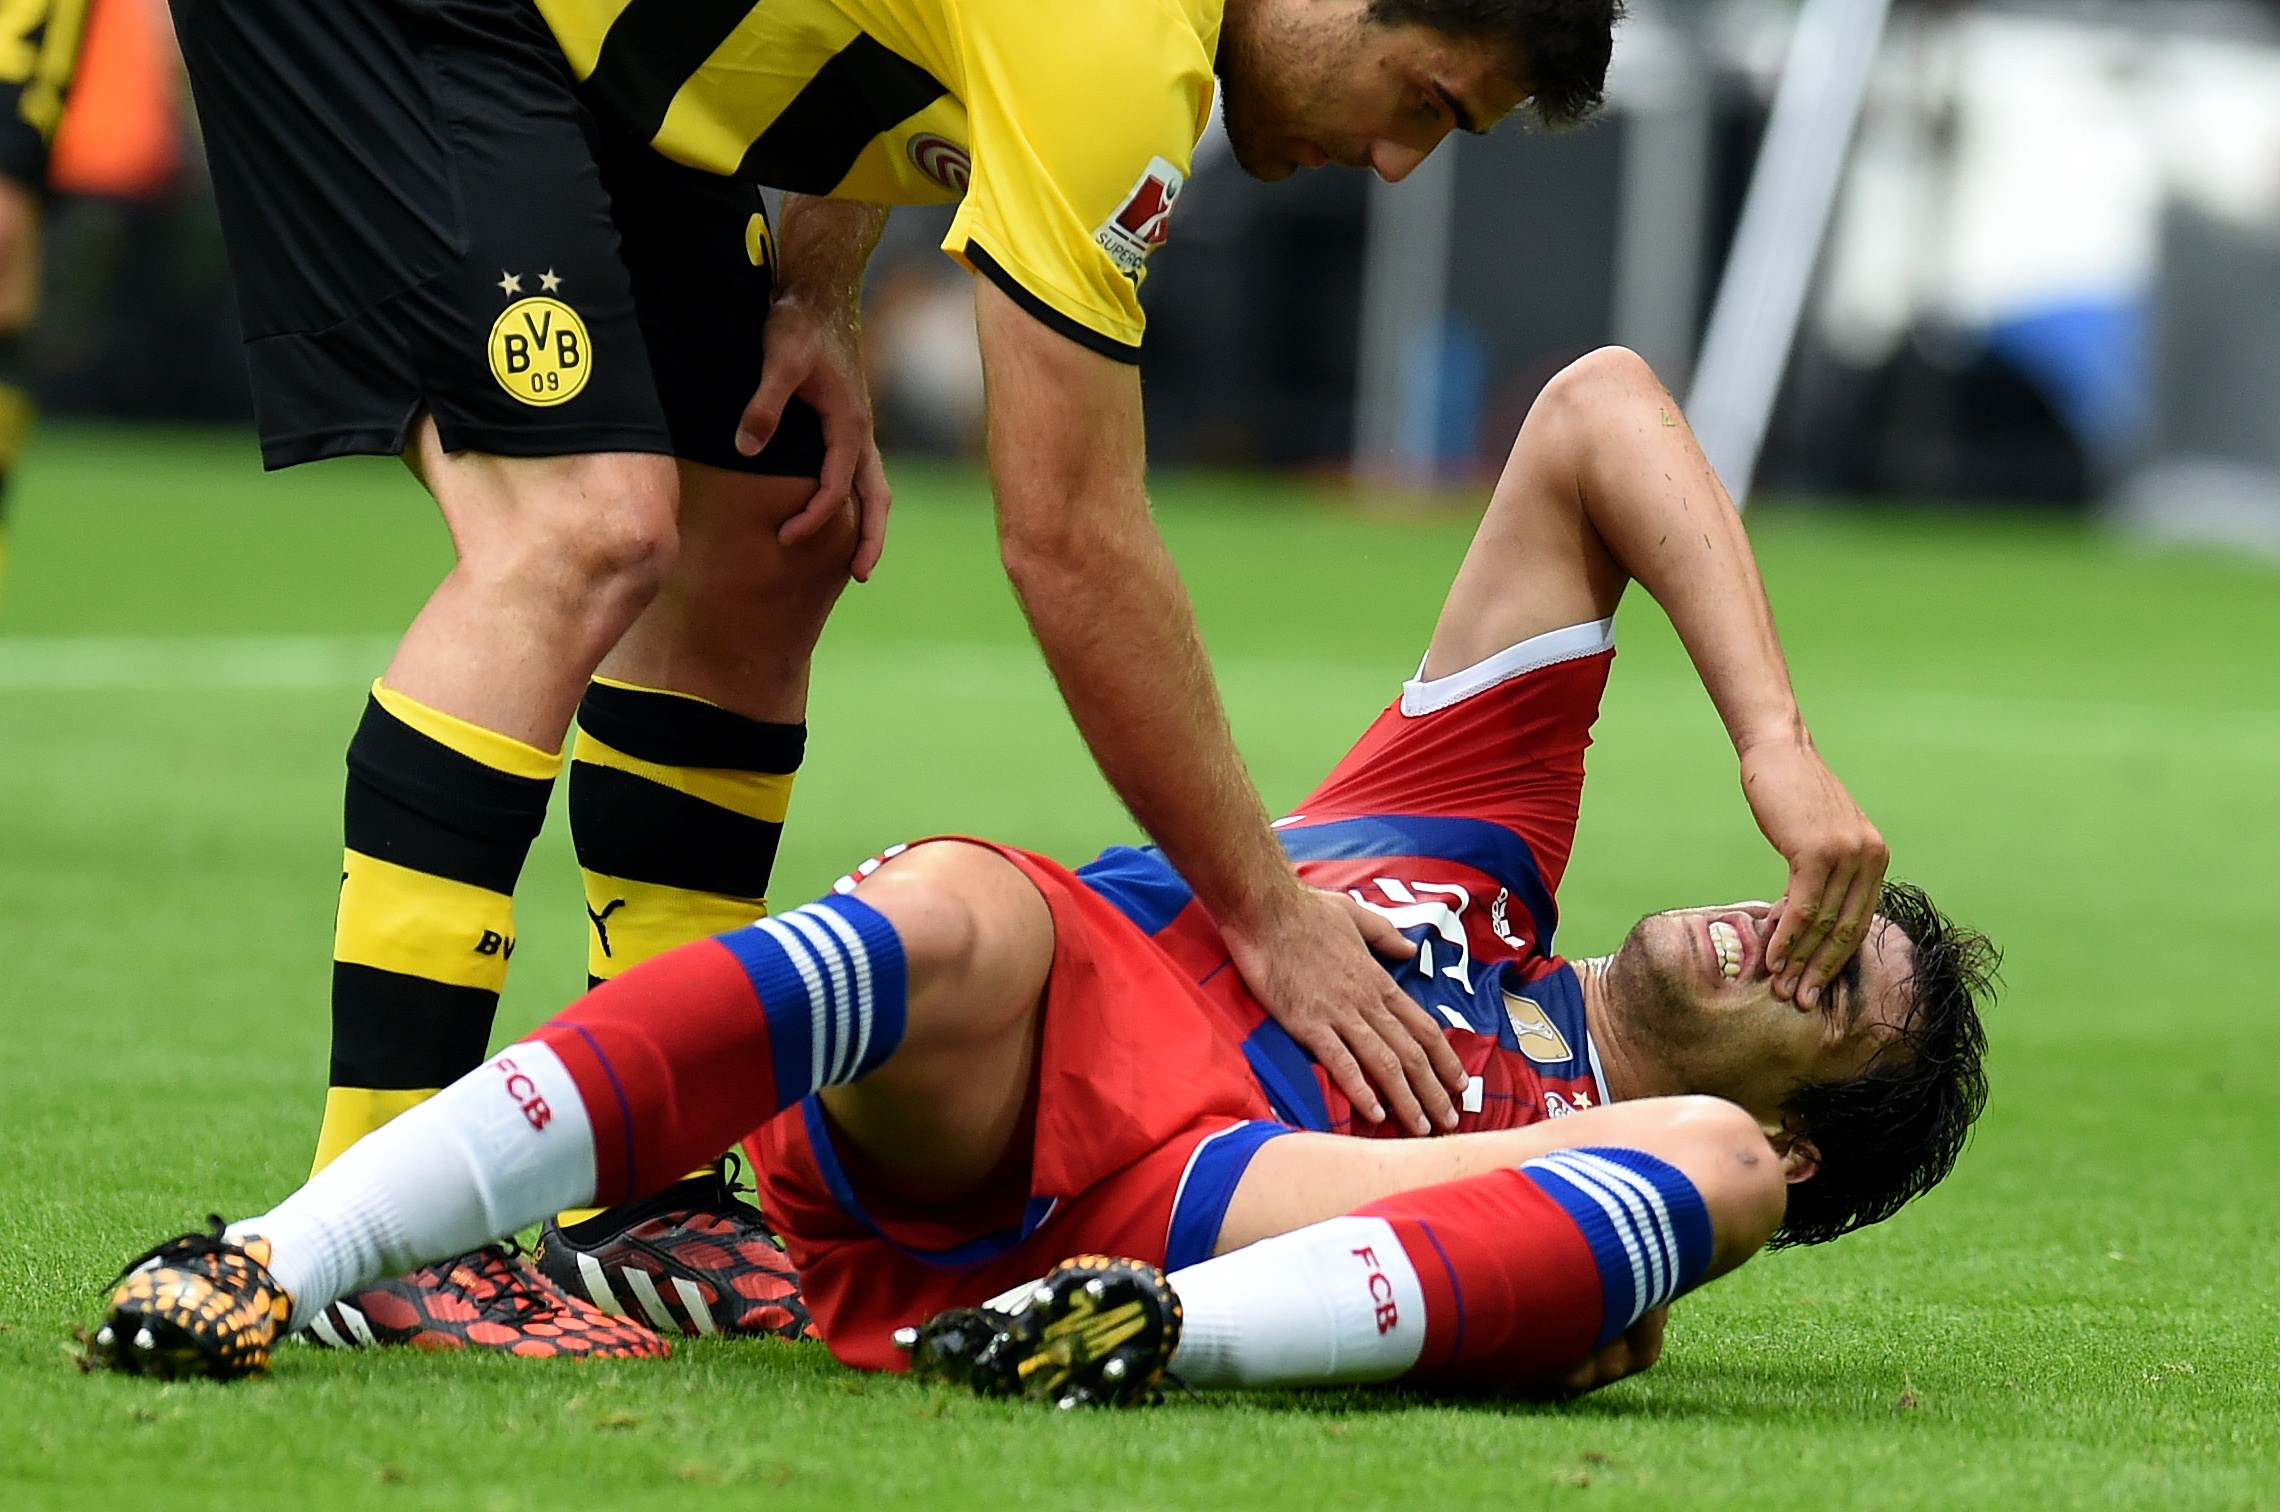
[(906, 1339)]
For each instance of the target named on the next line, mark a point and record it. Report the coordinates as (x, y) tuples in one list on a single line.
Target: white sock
[(504, 1146), (1333, 1302)]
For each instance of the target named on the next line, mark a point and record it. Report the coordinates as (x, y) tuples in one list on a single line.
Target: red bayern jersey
[(1454, 817)]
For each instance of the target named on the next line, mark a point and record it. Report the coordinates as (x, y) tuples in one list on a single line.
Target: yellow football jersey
[(1065, 130)]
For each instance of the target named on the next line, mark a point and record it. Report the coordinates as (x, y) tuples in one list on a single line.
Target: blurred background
[(2048, 273)]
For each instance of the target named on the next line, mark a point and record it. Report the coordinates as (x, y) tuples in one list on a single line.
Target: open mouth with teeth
[(1735, 945)]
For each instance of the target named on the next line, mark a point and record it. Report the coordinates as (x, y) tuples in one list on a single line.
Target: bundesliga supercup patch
[(1540, 1039), (1143, 221), (539, 349)]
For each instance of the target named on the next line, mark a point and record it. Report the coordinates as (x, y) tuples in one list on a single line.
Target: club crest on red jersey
[(1143, 221)]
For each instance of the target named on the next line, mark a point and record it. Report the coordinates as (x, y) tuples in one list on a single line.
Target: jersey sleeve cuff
[(1053, 319)]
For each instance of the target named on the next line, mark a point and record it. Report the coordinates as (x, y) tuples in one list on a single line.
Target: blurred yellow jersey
[(1066, 129)]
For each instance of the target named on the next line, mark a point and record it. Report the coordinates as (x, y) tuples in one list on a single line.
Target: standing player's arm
[(1651, 497), (1114, 622), (815, 351)]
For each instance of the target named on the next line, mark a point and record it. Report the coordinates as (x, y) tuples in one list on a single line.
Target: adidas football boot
[(199, 1305), (693, 1259), (1096, 1332), (490, 1298)]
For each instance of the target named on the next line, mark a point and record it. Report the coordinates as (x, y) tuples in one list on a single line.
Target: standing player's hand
[(815, 351), (1313, 970), (1836, 865)]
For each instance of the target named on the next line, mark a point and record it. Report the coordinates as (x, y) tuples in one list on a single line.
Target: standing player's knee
[(622, 540), (589, 538), (741, 585)]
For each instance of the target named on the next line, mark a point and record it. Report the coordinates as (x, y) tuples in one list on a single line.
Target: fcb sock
[(609, 1102), (1492, 1281), (15, 425), (499, 1148), (1333, 1302), (689, 1052), (439, 817), (675, 807)]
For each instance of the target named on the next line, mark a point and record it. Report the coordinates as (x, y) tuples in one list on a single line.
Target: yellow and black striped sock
[(15, 424), (675, 806), (439, 817)]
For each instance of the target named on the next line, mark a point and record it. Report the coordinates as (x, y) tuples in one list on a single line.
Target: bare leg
[(662, 791), (450, 769), (672, 1059), (737, 618), (979, 942), (1305, 1178), (682, 776), (1539, 1258), (557, 555)]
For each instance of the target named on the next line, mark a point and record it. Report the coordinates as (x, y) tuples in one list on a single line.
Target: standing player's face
[(1310, 82), (1694, 991)]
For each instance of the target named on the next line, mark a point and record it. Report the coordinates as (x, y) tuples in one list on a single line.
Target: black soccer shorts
[(421, 215)]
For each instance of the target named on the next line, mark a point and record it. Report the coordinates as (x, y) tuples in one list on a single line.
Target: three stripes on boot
[(655, 1310)]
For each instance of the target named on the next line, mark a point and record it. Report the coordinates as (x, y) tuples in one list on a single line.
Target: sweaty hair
[(1559, 47), (1892, 1132)]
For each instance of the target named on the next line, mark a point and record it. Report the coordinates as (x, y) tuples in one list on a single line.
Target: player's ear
[(1800, 1157)]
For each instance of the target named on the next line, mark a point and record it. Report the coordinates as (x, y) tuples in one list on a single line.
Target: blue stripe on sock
[(1647, 1226), (785, 1000), (888, 1007), (833, 983), (1689, 1214)]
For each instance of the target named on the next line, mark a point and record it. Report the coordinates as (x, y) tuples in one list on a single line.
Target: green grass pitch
[(2074, 745)]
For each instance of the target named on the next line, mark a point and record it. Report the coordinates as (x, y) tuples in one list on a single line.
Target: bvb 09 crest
[(540, 352)]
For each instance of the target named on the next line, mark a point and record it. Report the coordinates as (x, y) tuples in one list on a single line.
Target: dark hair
[(1559, 47), (1892, 1132)]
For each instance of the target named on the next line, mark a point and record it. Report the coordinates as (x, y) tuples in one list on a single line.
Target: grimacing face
[(1696, 993), (1310, 82)]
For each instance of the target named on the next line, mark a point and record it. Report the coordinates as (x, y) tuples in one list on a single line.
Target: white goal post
[(1793, 189)]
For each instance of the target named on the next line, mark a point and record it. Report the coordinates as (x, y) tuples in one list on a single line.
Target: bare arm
[(1118, 631), (815, 351), (1607, 484)]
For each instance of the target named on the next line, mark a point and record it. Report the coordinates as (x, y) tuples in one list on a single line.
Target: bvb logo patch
[(540, 352)]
